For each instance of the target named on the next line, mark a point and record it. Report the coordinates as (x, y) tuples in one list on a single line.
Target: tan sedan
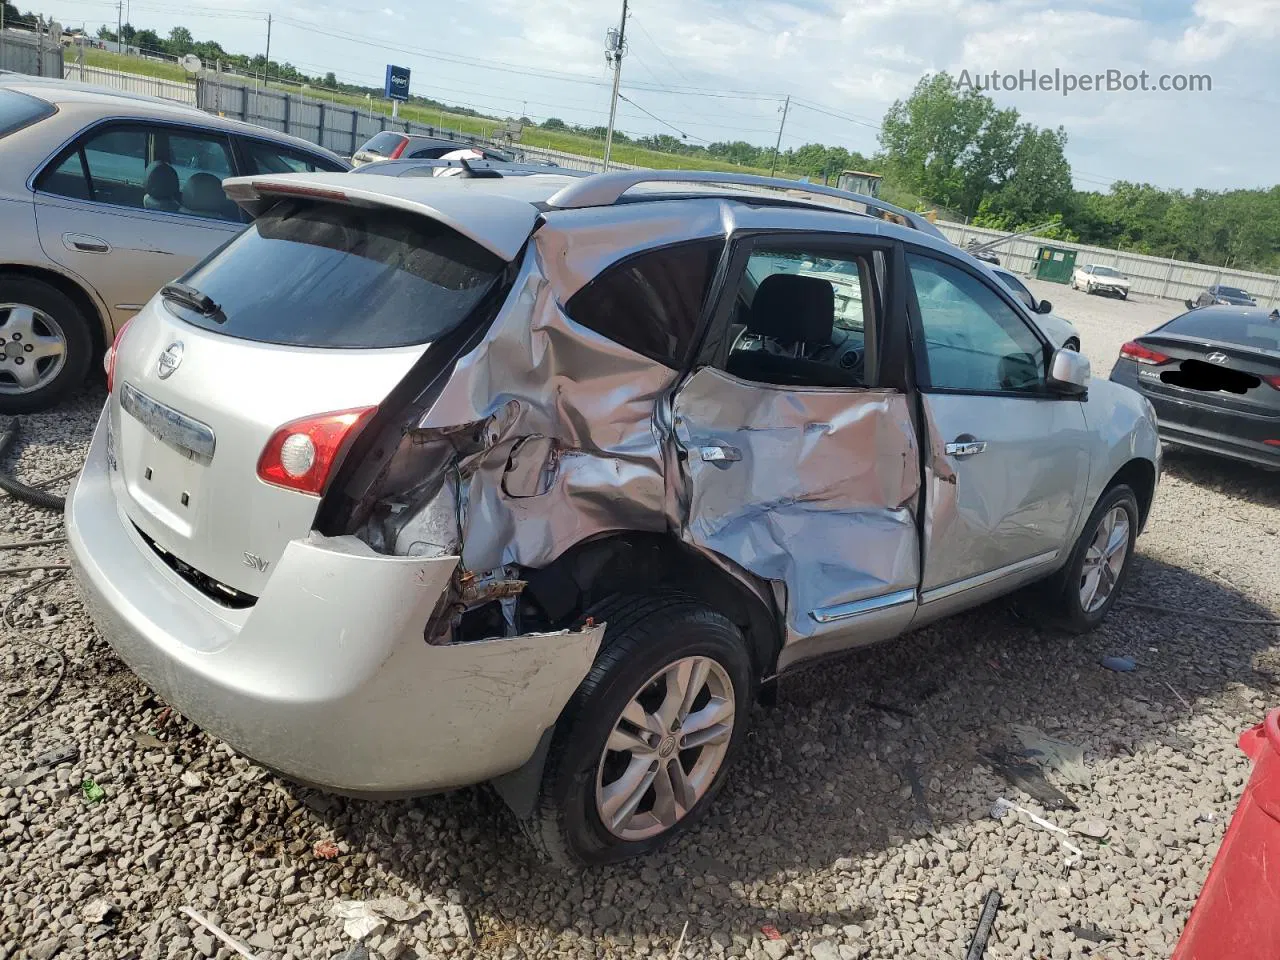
[(104, 198)]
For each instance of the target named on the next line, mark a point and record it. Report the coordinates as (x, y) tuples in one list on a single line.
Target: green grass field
[(564, 141)]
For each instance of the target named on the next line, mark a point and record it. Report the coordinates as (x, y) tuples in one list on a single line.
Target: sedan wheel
[(33, 348), (45, 345), (666, 748), (1104, 560)]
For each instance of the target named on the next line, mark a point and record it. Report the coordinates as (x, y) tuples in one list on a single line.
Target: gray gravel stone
[(820, 842)]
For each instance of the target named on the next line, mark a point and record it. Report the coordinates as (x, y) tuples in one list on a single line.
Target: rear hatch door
[(318, 307)]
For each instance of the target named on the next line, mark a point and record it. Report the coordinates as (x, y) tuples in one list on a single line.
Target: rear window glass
[(18, 110), (383, 143), (330, 275), (1256, 331)]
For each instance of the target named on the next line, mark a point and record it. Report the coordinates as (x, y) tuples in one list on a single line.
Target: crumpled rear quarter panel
[(537, 374)]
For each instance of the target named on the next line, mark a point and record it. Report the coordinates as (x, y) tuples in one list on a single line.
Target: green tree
[(931, 141), (148, 41), (330, 80), (180, 41), (1038, 185)]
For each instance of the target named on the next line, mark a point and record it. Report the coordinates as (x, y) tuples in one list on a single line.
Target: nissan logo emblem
[(169, 360)]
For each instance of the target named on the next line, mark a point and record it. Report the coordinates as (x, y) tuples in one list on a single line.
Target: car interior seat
[(203, 196), (798, 314), (160, 187)]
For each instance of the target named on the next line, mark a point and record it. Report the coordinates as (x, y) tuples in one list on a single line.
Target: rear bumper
[(327, 679), (1203, 427), (1220, 444)]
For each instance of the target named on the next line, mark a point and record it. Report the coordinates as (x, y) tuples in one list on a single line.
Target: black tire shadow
[(826, 776)]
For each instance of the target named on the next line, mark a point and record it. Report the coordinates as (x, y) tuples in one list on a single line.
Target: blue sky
[(718, 69)]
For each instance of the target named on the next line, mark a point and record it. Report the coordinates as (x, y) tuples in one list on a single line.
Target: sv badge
[(255, 561)]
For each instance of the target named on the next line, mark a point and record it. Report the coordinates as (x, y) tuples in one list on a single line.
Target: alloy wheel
[(1104, 560), (33, 348), (665, 749)]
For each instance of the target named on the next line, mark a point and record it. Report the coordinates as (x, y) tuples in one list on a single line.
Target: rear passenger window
[(651, 303), (164, 169), (266, 158)]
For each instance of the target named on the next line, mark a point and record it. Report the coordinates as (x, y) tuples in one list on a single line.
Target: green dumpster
[(1056, 264)]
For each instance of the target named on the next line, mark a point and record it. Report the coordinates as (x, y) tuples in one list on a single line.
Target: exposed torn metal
[(547, 434)]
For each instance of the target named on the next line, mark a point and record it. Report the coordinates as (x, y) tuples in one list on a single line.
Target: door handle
[(84, 243), (963, 447), (720, 453)]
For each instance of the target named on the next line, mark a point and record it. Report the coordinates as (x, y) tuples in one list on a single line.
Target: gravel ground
[(845, 830)]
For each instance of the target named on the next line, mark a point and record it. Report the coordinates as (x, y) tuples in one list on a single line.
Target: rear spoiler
[(500, 224)]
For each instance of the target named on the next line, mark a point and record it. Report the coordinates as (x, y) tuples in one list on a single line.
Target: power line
[(654, 116), (849, 118)]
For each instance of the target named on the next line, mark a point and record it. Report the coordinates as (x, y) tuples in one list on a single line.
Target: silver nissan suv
[(428, 481)]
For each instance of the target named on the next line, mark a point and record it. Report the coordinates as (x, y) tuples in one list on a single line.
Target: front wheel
[(1100, 562), (646, 742)]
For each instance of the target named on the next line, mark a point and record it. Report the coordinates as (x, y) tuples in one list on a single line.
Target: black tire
[(75, 329), (1064, 606), (644, 634), (1072, 344)]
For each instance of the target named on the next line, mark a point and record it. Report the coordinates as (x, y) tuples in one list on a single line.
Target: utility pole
[(617, 46), (266, 67), (119, 26), (778, 146)]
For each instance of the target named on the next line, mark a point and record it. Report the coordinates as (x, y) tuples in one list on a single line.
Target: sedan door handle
[(84, 243), (963, 447), (720, 453)]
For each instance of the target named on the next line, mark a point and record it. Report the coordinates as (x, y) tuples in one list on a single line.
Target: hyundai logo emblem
[(1216, 357), (169, 360)]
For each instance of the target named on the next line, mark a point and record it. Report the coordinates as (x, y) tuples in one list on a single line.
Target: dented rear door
[(810, 487)]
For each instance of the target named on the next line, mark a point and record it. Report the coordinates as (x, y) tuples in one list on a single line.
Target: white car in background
[(1058, 329), (1095, 278)]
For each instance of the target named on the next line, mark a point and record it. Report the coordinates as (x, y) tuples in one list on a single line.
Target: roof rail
[(605, 189)]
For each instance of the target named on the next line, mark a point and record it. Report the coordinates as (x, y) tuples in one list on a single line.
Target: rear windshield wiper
[(191, 298)]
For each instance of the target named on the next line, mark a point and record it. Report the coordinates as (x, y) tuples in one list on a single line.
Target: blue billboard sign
[(397, 85)]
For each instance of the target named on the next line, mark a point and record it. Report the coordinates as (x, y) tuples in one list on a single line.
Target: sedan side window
[(162, 169), (973, 340), (268, 158)]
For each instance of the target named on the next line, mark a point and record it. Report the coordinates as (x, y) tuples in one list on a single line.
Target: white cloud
[(852, 56)]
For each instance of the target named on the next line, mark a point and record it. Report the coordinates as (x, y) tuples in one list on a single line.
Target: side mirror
[(1069, 373), (1044, 306)]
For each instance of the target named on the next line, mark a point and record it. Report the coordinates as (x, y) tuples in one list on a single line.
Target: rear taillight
[(1273, 381), (395, 154), (1136, 351), (1272, 443), (109, 358), (301, 454)]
